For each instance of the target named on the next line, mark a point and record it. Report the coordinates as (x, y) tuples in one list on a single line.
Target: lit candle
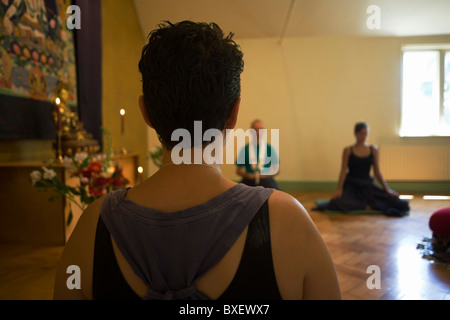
[(58, 114), (122, 120), (140, 170)]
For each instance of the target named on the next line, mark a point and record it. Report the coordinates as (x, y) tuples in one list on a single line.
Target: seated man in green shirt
[(255, 168)]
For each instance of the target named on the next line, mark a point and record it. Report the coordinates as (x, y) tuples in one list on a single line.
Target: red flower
[(95, 167), (102, 181), (96, 190), (117, 182), (85, 173)]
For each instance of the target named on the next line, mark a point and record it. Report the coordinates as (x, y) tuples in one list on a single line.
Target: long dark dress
[(360, 191)]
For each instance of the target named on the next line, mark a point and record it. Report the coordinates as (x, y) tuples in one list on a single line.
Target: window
[(426, 91)]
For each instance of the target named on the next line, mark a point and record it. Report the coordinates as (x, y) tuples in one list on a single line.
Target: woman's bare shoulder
[(289, 227), (288, 214), (302, 263), (285, 204), (79, 252), (87, 223), (346, 151)]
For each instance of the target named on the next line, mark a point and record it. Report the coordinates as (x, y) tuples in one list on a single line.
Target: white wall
[(314, 89)]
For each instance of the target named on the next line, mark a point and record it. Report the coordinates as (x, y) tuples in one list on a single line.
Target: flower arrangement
[(95, 179)]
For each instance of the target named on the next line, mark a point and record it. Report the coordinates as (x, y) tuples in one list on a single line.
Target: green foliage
[(156, 156)]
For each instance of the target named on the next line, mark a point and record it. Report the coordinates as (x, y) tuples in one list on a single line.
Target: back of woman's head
[(190, 72)]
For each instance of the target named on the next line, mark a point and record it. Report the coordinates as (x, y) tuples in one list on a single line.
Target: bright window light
[(425, 92), (420, 104), (447, 90), (436, 197)]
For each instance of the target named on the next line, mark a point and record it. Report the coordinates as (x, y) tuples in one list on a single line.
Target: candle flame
[(58, 101), (122, 112), (140, 170)]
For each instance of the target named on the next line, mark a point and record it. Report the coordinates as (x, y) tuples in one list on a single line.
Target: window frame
[(442, 50)]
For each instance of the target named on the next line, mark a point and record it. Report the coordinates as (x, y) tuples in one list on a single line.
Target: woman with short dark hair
[(188, 232)]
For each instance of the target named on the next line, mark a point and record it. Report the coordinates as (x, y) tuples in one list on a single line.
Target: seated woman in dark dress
[(357, 189)]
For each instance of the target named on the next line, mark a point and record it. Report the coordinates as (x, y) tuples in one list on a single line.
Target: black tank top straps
[(254, 279), (359, 167)]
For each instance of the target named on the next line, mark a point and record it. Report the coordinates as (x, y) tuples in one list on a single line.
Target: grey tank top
[(170, 251)]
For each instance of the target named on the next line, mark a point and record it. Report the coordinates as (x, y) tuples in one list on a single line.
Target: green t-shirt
[(271, 159)]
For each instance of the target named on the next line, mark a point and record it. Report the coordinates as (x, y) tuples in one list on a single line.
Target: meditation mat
[(355, 212)]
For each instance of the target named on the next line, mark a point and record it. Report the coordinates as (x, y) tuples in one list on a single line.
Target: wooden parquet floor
[(355, 242)]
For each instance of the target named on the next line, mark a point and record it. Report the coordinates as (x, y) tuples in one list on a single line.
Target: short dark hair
[(359, 126), (190, 72)]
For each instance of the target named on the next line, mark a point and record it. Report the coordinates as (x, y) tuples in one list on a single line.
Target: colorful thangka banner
[(36, 50)]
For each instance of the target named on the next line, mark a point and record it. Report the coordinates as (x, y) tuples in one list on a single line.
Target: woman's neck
[(361, 144)]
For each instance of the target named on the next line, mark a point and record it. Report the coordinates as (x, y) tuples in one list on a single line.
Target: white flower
[(81, 156), (49, 174), (67, 161), (69, 165), (105, 174), (35, 176)]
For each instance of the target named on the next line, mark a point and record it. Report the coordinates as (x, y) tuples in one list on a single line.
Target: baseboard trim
[(307, 185), (421, 187)]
